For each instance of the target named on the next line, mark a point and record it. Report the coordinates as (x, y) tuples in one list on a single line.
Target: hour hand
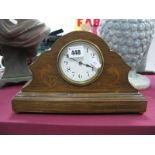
[(80, 62), (89, 66), (86, 64)]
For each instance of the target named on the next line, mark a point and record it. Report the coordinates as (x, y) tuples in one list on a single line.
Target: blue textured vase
[(131, 39)]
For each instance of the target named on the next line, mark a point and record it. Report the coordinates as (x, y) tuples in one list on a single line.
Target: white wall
[(151, 56), (67, 25)]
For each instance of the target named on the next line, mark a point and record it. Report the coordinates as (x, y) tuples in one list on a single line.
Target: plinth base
[(41, 102), (14, 80)]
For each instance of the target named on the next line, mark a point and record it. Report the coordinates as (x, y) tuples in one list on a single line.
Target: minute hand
[(80, 62)]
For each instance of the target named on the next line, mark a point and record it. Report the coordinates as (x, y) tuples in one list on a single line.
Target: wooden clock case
[(49, 93)]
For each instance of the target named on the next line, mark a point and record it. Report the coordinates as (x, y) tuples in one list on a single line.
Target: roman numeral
[(80, 76), (87, 50), (87, 73), (68, 69), (66, 62)]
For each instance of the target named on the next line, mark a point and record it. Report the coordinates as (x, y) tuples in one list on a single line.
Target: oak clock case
[(60, 87)]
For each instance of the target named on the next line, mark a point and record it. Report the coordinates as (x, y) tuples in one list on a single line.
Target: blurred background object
[(131, 39), (49, 41), (19, 40)]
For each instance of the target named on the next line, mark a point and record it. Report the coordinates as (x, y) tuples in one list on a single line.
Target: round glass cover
[(80, 62)]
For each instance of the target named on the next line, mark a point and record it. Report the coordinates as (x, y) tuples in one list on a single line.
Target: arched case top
[(111, 92)]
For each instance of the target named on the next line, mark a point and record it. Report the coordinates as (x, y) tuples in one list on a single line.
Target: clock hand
[(80, 62), (73, 59)]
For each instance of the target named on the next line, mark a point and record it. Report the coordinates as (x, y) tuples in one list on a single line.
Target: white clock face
[(80, 62)]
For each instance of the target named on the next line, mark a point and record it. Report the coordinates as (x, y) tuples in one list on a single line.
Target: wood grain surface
[(49, 93)]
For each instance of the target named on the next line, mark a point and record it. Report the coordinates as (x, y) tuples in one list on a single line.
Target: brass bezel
[(86, 82)]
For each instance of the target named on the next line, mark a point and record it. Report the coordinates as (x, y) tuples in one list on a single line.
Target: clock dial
[(80, 62)]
